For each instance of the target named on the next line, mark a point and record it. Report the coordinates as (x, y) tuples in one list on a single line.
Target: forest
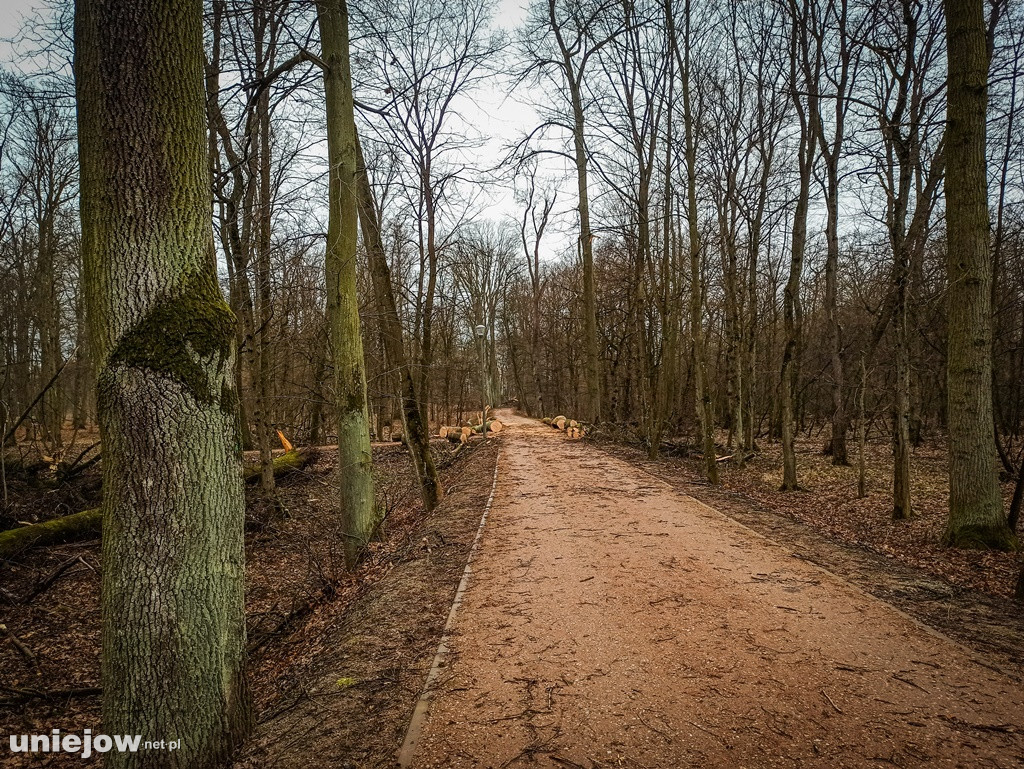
[(249, 243)]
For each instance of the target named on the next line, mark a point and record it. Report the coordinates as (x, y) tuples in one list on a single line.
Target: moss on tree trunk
[(355, 480), (975, 504), (164, 344)]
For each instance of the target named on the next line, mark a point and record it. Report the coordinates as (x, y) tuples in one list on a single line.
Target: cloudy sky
[(499, 117)]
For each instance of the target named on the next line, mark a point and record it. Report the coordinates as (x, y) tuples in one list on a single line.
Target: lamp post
[(480, 331)]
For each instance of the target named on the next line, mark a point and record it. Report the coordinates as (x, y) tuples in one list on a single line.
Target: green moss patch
[(180, 334), (978, 537)]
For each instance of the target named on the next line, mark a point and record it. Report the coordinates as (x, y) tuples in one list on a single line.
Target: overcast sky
[(499, 117)]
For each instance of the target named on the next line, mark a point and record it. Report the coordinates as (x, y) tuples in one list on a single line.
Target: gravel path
[(613, 621)]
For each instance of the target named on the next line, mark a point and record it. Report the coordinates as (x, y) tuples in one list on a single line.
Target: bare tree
[(163, 337), (355, 479)]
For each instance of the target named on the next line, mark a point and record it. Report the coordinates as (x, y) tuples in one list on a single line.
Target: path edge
[(419, 715)]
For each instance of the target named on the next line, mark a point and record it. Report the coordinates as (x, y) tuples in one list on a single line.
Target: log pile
[(573, 428), (465, 432)]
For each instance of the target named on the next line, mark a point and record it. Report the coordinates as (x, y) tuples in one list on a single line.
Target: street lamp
[(480, 331)]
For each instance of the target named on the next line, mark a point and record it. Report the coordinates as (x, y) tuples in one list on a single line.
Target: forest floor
[(612, 620), (372, 633)]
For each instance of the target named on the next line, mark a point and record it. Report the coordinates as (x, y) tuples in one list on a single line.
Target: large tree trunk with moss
[(975, 503), (163, 338), (415, 429), (358, 516)]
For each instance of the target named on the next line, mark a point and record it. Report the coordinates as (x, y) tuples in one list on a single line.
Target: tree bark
[(573, 78), (416, 429), (358, 515), (163, 338), (703, 402), (975, 503)]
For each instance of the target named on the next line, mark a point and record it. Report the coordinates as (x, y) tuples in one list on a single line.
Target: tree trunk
[(862, 437), (703, 402), (51, 408), (358, 516), (591, 352), (593, 367), (417, 430), (901, 500), (261, 374), (806, 105), (975, 503), (164, 343), (840, 454)]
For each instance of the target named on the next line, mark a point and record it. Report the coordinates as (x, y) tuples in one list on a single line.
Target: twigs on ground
[(828, 699), (52, 577), (20, 696), (18, 644)]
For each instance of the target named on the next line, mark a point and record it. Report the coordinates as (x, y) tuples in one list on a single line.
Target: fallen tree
[(87, 524)]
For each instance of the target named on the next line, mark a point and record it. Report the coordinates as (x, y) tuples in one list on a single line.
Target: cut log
[(546, 420), (69, 528), (559, 422), (85, 525), (493, 426), (289, 462)]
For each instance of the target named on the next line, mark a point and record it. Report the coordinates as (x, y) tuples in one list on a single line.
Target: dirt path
[(612, 621)]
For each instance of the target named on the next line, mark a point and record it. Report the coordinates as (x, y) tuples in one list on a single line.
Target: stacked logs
[(465, 432), (571, 427)]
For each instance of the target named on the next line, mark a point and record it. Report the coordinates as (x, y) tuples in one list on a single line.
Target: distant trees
[(858, 155), (560, 46), (163, 340), (722, 211), (38, 243), (418, 59)]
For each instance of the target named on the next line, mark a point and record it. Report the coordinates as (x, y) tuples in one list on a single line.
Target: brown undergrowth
[(297, 591)]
